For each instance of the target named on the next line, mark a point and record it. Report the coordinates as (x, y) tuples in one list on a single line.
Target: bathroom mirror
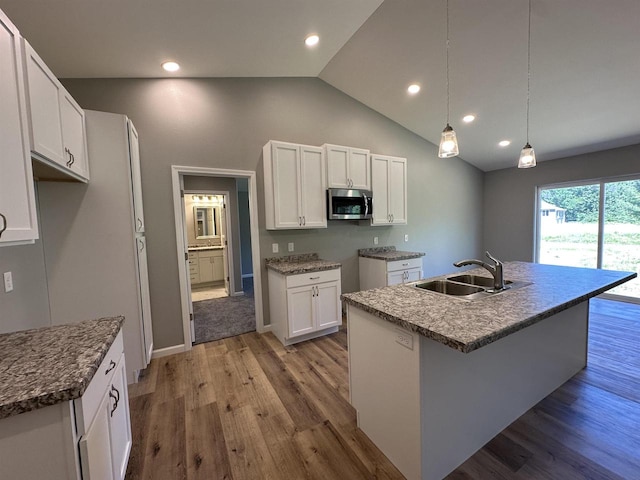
[(207, 223)]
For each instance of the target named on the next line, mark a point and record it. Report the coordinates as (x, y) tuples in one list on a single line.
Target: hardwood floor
[(248, 408)]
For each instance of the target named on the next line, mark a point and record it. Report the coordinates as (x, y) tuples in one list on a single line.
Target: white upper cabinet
[(56, 121), (389, 186), (347, 167), (295, 186), (18, 218)]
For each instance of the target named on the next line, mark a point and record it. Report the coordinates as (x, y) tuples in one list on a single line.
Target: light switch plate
[(274, 248), (8, 282), (375, 240), (290, 246), (406, 237)]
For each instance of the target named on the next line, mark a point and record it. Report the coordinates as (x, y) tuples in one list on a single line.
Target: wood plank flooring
[(248, 408)]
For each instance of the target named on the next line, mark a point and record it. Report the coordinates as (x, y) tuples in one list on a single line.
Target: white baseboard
[(238, 294), (164, 352), (247, 275)]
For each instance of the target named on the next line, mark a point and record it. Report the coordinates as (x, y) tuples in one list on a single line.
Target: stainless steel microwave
[(347, 204)]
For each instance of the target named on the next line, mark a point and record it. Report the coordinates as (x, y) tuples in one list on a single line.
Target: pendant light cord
[(447, 28), (528, 69)]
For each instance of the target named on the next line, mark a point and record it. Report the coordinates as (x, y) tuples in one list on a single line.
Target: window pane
[(622, 233), (569, 226)]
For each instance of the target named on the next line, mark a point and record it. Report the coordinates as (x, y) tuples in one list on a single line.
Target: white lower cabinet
[(88, 438), (376, 273), (304, 306), (206, 266)]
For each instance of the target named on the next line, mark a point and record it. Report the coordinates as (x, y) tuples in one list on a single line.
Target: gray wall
[(224, 123), (222, 185), (27, 306), (510, 195)]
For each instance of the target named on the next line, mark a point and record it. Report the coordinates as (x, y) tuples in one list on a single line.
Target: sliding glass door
[(595, 225)]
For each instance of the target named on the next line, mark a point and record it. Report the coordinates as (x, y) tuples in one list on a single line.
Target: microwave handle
[(366, 204)]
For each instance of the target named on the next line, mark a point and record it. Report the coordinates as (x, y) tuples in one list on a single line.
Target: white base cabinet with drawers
[(375, 273), (206, 266), (305, 305), (85, 439)]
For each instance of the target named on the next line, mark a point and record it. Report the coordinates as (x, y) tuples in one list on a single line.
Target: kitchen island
[(434, 377)]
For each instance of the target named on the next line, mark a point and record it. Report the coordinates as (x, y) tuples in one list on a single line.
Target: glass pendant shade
[(527, 157), (448, 143)]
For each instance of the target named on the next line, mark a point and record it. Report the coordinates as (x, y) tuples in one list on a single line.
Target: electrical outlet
[(290, 246), (375, 240), (8, 282), (404, 338), (406, 237), (274, 248)]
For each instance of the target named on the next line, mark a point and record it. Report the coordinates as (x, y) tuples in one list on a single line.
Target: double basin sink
[(468, 287)]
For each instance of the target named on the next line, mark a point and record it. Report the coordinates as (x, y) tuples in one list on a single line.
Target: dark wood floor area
[(249, 408)]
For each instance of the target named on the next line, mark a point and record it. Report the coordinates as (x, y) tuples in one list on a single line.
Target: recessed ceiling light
[(468, 118), (413, 88), (312, 40), (504, 143), (171, 66)]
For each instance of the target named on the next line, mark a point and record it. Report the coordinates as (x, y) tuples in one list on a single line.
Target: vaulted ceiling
[(585, 60)]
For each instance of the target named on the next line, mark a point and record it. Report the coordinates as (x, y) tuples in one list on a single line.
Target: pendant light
[(527, 155), (448, 141)]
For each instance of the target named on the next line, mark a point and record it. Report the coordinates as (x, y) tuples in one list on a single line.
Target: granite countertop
[(295, 264), (51, 365), (468, 325), (388, 254), (205, 247)]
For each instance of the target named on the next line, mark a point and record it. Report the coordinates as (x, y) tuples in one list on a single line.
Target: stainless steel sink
[(476, 280), (449, 288)]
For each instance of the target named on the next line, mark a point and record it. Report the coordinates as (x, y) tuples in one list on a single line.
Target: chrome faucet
[(495, 270)]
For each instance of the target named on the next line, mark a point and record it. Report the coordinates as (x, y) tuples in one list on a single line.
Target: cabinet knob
[(4, 224)]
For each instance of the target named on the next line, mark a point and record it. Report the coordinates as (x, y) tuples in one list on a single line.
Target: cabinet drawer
[(192, 256), (194, 268), (210, 253), (195, 278), (87, 405), (404, 264), (313, 278)]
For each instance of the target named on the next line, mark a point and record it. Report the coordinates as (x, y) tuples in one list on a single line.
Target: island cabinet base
[(429, 407)]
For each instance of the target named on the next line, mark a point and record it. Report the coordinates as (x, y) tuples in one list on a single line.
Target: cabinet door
[(313, 188), (286, 185), (17, 197), (414, 274), (300, 310), (396, 278), (359, 170), (380, 189), (73, 134), (95, 446), (328, 311), (205, 266), (337, 166), (145, 298), (218, 268), (398, 190), (44, 108), (119, 422), (136, 177)]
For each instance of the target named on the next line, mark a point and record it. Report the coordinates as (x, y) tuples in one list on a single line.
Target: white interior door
[(185, 241), (225, 244)]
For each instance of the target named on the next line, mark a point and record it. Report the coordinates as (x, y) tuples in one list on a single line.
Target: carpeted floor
[(225, 317)]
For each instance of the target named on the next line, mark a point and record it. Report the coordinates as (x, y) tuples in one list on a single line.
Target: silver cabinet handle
[(314, 278), (300, 221), (112, 365), (4, 224), (392, 218), (405, 264), (304, 220), (141, 246), (139, 223)]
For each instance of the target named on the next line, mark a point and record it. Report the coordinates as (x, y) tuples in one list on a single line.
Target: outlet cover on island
[(274, 248), (375, 240), (406, 237), (290, 246)]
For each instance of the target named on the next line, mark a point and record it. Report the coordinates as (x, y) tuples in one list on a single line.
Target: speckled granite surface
[(469, 325), (388, 254), (295, 264), (50, 365)]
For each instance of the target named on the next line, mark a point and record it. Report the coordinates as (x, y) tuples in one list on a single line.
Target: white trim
[(185, 297), (247, 275), (165, 352)]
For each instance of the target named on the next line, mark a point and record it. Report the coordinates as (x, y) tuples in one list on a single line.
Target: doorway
[(208, 222)]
